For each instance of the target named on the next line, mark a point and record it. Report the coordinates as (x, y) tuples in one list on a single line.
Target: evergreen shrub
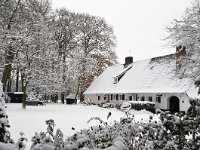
[(140, 105)]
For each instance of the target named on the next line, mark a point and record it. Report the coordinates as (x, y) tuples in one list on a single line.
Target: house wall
[(95, 98), (163, 103)]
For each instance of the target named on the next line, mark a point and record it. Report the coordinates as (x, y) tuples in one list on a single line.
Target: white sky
[(139, 25)]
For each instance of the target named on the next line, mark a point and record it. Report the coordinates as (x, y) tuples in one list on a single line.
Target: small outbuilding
[(15, 97), (71, 99)]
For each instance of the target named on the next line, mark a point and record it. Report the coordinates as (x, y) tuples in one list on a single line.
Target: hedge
[(139, 105)]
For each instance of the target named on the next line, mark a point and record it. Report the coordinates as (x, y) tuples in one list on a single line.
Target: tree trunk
[(7, 67), (81, 96), (24, 97), (63, 97), (6, 75), (9, 85), (10, 52), (24, 86), (17, 80)]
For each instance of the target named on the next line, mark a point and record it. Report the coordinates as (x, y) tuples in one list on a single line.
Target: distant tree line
[(50, 51)]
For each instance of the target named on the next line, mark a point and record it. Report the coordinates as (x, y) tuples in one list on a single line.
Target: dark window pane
[(117, 96), (158, 99), (142, 98), (150, 98), (123, 97)]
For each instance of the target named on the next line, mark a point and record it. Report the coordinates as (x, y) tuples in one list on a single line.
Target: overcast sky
[(139, 25)]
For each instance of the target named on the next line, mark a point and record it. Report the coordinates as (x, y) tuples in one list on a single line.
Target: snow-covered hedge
[(6, 143), (4, 133), (139, 105)]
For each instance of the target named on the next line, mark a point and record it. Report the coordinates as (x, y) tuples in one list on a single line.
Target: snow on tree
[(85, 45), (8, 28), (25, 35), (185, 31), (96, 40), (31, 57), (39, 47), (4, 124), (64, 29)]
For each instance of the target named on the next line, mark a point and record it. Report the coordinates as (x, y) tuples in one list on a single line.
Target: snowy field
[(32, 119)]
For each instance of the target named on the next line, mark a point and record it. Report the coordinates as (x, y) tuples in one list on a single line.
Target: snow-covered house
[(156, 80)]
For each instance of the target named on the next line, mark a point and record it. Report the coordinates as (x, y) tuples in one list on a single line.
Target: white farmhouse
[(156, 80)]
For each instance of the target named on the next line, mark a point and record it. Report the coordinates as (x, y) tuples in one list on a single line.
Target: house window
[(99, 97), (130, 98), (111, 97), (158, 99), (115, 80), (123, 97), (150, 98), (142, 98), (117, 97)]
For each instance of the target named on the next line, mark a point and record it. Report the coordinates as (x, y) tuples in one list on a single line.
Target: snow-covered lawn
[(32, 119)]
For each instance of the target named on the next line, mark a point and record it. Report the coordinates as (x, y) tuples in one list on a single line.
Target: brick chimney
[(180, 52), (128, 60)]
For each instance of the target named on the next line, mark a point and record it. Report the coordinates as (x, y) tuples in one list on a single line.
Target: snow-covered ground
[(32, 119)]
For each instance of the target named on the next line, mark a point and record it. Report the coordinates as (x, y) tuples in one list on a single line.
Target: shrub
[(4, 124), (139, 105), (118, 106)]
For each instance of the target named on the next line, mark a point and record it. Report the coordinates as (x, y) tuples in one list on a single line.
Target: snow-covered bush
[(47, 140), (102, 136), (4, 124), (20, 145), (182, 130), (108, 105), (6, 143), (173, 131), (124, 135), (117, 106), (58, 140), (170, 133), (125, 107)]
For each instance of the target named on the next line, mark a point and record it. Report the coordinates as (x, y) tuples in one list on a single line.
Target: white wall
[(184, 102), (164, 104)]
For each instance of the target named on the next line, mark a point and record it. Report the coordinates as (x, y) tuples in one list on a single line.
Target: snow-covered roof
[(156, 75), (71, 96), (18, 92), (123, 70)]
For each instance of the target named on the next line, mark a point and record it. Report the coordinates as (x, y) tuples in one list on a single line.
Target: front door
[(174, 104)]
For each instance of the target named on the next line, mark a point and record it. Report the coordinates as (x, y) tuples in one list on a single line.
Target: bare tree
[(65, 35), (96, 38), (85, 45)]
